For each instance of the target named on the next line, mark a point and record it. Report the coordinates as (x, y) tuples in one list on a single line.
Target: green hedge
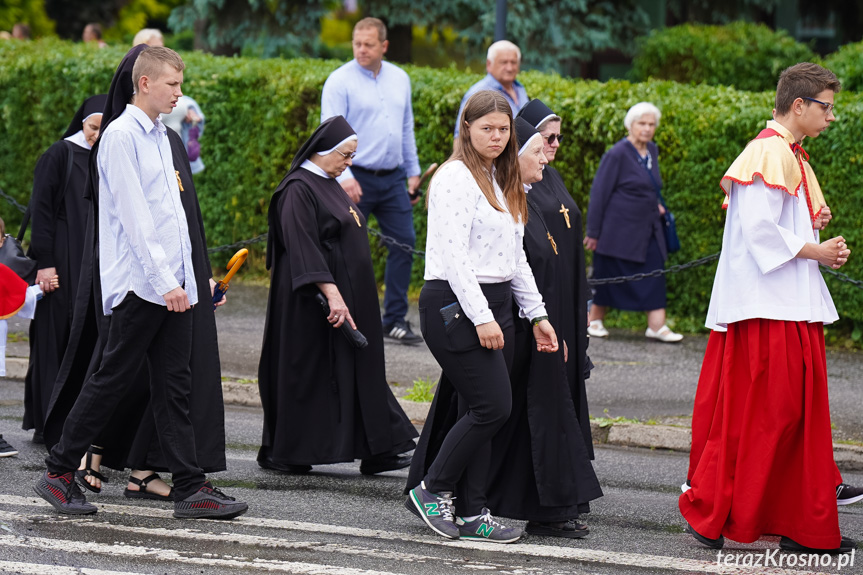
[(847, 64), (259, 111), (741, 54)]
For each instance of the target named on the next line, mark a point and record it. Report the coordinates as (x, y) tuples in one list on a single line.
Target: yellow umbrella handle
[(235, 263)]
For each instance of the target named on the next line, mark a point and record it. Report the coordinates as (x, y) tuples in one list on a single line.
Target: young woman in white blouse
[(475, 266)]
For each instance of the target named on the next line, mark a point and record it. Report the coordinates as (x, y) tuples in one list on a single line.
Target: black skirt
[(642, 295)]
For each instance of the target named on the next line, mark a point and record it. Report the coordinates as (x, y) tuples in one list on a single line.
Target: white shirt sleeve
[(119, 167), (524, 289), (767, 240), (452, 204)]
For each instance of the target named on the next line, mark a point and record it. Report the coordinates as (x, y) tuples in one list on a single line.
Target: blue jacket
[(624, 208)]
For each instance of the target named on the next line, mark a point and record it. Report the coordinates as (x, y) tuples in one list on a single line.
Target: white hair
[(144, 36), (502, 46), (639, 110)]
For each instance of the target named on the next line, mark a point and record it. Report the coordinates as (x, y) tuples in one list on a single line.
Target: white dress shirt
[(379, 110), (758, 275), (144, 244), (470, 243)]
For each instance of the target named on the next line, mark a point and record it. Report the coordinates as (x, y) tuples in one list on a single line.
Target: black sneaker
[(63, 493), (6, 450), (845, 494), (401, 332), (210, 503), (436, 509), (486, 528)]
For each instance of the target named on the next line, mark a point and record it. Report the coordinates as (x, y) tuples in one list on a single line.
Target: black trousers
[(481, 378), (139, 330)]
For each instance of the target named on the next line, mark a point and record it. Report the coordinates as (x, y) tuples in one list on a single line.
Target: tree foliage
[(552, 34), (30, 12), (255, 27)]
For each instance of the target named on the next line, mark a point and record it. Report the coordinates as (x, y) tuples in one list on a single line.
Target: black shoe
[(38, 439), (6, 450), (63, 493), (209, 503), (788, 544), (571, 529), (388, 463), (717, 543), (401, 332), (848, 494), (295, 469)]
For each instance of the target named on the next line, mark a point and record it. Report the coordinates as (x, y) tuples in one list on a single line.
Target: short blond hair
[(144, 36), (151, 61)]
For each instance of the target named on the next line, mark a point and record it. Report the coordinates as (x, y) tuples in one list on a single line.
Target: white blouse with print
[(470, 243)]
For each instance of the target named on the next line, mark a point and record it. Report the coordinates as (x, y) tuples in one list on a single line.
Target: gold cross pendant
[(565, 211), (356, 217), (179, 181), (551, 241)]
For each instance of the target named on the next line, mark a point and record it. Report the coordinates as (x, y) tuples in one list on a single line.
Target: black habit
[(541, 469), (128, 437), (324, 401), (59, 216)]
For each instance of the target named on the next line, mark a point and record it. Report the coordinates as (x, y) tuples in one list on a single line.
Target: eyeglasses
[(552, 137), (351, 156), (828, 108)]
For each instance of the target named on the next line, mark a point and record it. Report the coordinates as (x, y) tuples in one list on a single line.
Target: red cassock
[(762, 452)]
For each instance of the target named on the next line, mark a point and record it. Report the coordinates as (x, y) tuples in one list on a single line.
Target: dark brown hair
[(507, 172), (804, 80)]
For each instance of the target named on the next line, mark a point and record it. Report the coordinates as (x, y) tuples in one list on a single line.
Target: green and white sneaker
[(486, 528), (435, 509)]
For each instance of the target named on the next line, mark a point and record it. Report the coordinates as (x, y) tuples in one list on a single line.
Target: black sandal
[(81, 474), (142, 493)]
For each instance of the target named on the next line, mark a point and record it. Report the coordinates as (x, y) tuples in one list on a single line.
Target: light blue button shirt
[(379, 111), (144, 244), (489, 83)]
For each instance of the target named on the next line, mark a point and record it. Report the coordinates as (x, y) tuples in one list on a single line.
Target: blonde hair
[(507, 173), (151, 61), (372, 23)]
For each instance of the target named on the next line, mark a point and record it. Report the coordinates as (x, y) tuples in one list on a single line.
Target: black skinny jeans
[(139, 330), (481, 378)]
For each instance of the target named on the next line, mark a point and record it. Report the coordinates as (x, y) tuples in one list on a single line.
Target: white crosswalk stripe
[(164, 539)]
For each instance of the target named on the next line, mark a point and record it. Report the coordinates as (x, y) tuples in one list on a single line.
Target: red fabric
[(762, 451), (13, 291)]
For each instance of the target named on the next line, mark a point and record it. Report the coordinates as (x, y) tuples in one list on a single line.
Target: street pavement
[(335, 520)]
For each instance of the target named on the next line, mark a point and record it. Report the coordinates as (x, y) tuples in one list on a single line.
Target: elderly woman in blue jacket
[(625, 227)]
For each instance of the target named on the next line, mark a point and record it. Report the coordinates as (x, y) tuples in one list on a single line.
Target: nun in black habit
[(541, 470), (324, 400), (58, 212), (129, 438)]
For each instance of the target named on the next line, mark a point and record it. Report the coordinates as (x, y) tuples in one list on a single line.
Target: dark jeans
[(139, 330), (387, 198), (481, 378)]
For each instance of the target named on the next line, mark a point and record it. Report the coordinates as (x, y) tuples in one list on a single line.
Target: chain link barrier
[(12, 201), (388, 241)]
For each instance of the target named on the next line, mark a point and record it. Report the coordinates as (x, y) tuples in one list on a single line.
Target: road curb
[(16, 367)]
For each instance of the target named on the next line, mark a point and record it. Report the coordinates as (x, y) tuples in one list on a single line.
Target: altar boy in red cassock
[(762, 457)]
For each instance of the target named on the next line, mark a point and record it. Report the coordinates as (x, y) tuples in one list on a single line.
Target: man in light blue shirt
[(148, 287), (375, 98), (503, 62)]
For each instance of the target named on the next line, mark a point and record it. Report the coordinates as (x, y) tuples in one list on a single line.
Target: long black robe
[(324, 400), (129, 435), (59, 216), (541, 467)]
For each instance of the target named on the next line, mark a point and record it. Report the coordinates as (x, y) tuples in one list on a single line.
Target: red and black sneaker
[(209, 503), (63, 493)]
